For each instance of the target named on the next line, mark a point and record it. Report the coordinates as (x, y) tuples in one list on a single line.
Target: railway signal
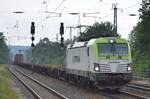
[(32, 44), (61, 29), (32, 28), (32, 38), (62, 33), (32, 33)]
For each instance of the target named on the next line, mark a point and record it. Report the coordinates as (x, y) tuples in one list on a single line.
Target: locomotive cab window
[(112, 49)]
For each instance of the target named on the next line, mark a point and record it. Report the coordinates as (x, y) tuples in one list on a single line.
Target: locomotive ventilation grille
[(122, 68), (107, 68)]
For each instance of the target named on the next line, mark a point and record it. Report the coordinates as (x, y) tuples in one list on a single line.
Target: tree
[(140, 38), (145, 21), (103, 28), (47, 52), (4, 51)]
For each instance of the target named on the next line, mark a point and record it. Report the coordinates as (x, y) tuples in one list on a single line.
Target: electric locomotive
[(105, 62)]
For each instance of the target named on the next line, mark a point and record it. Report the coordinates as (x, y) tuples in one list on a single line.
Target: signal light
[(32, 38), (61, 28), (32, 28), (32, 32), (32, 44)]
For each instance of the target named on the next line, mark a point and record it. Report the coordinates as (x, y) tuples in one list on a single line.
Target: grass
[(6, 90)]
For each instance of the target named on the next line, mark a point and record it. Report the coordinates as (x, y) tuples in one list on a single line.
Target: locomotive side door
[(88, 56)]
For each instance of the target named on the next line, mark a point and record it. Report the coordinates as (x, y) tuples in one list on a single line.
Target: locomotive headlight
[(96, 67), (111, 41), (129, 67)]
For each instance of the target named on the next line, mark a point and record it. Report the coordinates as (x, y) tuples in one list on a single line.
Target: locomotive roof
[(98, 40)]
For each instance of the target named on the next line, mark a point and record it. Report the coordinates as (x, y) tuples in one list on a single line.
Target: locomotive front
[(111, 62)]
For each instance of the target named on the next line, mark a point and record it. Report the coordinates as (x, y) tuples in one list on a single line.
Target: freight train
[(18, 58), (103, 62)]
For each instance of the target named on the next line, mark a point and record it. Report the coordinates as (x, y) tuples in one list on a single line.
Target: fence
[(141, 74)]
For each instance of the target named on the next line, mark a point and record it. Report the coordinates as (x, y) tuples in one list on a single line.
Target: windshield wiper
[(107, 57), (119, 57)]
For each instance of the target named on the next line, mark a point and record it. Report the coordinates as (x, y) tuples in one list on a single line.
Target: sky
[(16, 27)]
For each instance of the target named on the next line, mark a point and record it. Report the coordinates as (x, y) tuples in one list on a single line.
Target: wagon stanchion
[(32, 66)]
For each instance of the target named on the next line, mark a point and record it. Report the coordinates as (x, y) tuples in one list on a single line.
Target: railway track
[(37, 88), (133, 95), (137, 90), (118, 94), (139, 86)]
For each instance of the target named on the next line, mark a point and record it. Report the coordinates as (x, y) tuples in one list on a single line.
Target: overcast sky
[(17, 26)]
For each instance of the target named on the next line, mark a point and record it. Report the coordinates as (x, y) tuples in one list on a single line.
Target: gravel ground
[(72, 91)]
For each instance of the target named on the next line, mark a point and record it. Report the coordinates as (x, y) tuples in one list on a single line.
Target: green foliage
[(98, 28), (48, 52), (58, 61), (6, 91), (140, 39), (4, 51)]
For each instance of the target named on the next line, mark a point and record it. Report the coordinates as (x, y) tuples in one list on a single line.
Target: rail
[(40, 83), (139, 86), (134, 95), (36, 95)]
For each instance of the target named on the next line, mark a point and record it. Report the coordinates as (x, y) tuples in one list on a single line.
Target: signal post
[(32, 44)]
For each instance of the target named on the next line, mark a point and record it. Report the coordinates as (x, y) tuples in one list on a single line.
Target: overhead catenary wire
[(136, 4), (46, 6), (60, 5), (105, 15), (132, 6), (54, 10)]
